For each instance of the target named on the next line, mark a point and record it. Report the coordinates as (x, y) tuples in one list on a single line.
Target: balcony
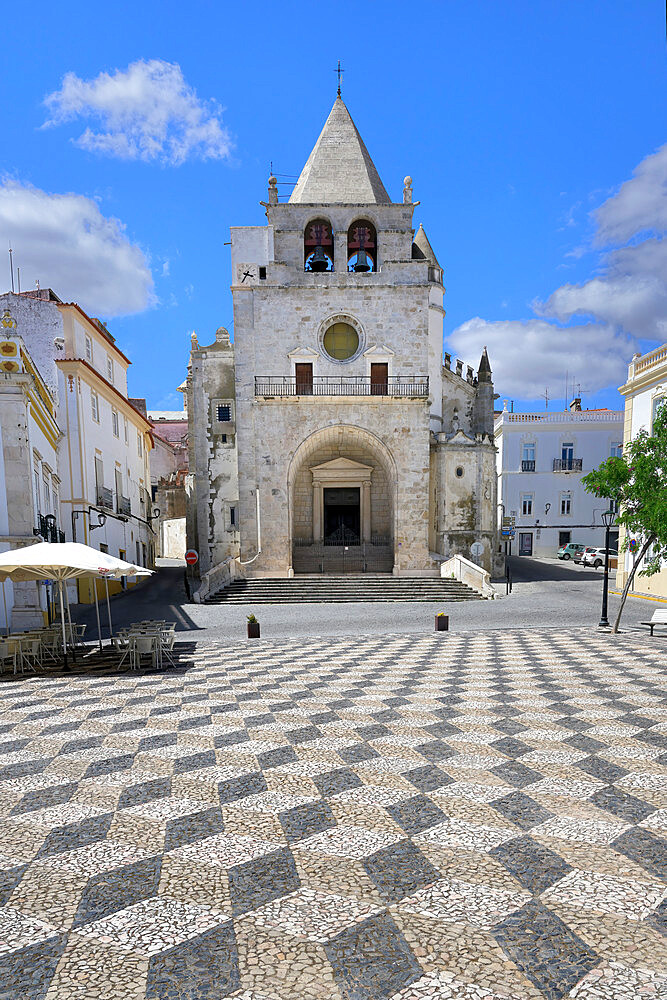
[(568, 464), (104, 497), (404, 386), (528, 465), (123, 506)]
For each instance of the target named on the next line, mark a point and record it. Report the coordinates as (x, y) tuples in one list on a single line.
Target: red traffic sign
[(191, 557)]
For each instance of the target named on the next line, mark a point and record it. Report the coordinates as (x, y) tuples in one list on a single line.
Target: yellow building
[(644, 391), (104, 450)]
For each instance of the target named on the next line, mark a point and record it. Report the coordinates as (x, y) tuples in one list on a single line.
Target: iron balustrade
[(528, 465), (123, 506), (104, 497), (404, 386), (568, 464)]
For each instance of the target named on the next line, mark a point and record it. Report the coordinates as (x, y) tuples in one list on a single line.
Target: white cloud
[(624, 300), (528, 356), (65, 242), (146, 112), (640, 204), (631, 292)]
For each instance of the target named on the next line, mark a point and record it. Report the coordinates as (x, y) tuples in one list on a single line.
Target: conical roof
[(484, 370), (424, 250), (339, 171)]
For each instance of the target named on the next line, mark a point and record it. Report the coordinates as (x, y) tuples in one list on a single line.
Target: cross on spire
[(339, 71)]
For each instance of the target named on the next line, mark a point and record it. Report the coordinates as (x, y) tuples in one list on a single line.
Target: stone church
[(332, 435)]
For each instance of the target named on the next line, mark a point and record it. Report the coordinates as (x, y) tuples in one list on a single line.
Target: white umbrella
[(63, 561)]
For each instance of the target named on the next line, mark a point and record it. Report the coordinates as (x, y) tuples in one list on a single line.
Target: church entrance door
[(342, 516)]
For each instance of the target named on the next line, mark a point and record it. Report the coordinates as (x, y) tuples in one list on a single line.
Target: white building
[(103, 452), (644, 391), (169, 468), (541, 460), (29, 481), (332, 420)]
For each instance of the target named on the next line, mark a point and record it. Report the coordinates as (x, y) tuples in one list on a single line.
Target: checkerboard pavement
[(392, 818)]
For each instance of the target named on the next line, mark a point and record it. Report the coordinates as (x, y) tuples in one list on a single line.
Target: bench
[(659, 618)]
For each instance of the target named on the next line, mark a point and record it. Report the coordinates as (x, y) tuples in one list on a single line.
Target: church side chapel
[(332, 436)]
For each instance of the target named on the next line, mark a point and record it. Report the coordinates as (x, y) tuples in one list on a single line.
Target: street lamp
[(607, 520)]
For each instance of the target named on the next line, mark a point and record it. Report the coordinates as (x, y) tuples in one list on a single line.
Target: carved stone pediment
[(303, 354), (341, 470)]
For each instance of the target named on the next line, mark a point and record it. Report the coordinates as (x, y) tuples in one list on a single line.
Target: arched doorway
[(342, 486)]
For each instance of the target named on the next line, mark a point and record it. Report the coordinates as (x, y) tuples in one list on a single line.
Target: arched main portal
[(342, 495)]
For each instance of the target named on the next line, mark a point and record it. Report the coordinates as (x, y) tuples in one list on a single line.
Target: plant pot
[(442, 623), (253, 630)]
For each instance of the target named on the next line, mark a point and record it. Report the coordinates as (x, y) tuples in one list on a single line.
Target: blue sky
[(534, 134)]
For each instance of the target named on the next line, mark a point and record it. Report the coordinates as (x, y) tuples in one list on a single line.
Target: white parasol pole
[(97, 613), (4, 598), (106, 584), (69, 619), (62, 620)]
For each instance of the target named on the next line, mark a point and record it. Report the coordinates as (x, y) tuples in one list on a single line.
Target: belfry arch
[(342, 502)]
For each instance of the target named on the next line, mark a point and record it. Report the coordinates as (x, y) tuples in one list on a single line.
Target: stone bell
[(363, 262), (319, 261)]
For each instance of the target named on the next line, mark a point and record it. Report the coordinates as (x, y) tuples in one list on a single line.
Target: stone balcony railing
[(405, 386)]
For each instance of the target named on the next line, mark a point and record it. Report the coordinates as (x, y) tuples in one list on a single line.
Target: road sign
[(476, 549), (507, 532), (191, 557), (632, 544)]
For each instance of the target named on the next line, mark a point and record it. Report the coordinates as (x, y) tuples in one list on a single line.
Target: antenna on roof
[(18, 275), (339, 71), (11, 265), (545, 397)]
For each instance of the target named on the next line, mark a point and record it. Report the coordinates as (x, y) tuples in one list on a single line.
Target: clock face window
[(341, 341)]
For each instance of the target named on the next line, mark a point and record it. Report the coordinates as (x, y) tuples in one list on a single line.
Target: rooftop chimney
[(575, 405)]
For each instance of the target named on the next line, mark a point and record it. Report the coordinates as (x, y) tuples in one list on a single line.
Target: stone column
[(366, 511), (318, 498)]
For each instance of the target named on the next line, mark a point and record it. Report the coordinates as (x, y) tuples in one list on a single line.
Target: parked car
[(595, 558), (568, 551), (578, 557)]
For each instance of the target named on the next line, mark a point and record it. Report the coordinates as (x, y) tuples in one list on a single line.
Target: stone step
[(334, 589)]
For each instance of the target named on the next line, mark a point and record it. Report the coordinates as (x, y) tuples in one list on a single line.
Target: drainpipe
[(247, 562)]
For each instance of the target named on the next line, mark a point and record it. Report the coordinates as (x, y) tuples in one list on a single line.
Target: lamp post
[(607, 520)]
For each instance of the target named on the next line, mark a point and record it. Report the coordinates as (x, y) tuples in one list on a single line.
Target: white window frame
[(527, 501), (38, 497), (565, 503), (140, 445), (109, 369), (531, 445), (616, 449), (114, 422), (95, 405), (126, 430), (89, 348)]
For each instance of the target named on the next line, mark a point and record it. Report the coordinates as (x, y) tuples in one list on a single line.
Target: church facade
[(332, 435)]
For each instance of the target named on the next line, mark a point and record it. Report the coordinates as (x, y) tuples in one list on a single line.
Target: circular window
[(459, 471), (341, 341)]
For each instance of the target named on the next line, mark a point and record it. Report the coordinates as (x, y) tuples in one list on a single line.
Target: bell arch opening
[(342, 494), (318, 246)]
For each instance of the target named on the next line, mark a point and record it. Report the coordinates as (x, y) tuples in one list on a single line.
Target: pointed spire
[(484, 370), (422, 249), (339, 171)]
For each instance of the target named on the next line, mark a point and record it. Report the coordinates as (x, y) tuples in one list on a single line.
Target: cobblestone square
[(452, 817)]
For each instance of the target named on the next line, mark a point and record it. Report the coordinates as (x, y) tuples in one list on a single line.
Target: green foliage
[(637, 484), (251, 619)]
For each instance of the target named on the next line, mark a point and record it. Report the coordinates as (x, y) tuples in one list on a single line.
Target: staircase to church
[(334, 589)]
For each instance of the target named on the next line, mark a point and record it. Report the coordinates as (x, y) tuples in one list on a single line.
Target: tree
[(636, 484)]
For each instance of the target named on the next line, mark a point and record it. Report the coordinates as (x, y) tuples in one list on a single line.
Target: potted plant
[(441, 622), (253, 627)]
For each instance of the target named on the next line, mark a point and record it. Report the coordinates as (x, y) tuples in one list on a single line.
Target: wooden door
[(379, 379), (304, 379)]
